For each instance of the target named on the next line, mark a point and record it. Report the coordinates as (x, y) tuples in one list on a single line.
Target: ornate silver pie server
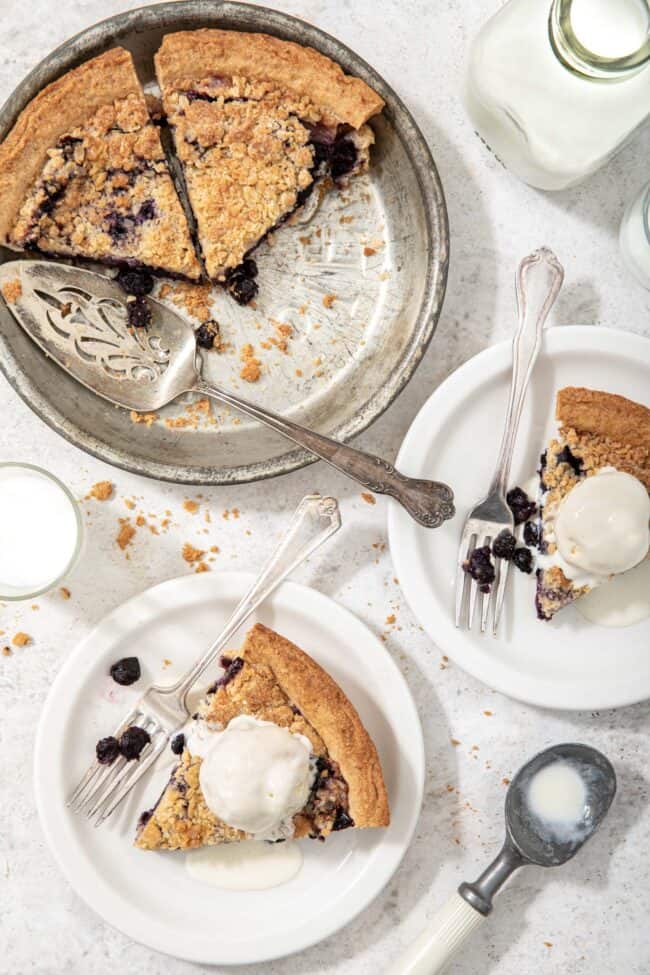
[(79, 319)]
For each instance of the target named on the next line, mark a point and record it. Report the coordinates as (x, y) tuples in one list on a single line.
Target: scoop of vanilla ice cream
[(602, 525), (255, 776)]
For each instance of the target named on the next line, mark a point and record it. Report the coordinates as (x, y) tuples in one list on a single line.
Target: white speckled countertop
[(590, 917)]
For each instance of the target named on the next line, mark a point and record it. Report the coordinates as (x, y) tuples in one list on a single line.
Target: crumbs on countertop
[(195, 299), (191, 506), (328, 300), (21, 639), (64, 592), (12, 290), (125, 534), (101, 491), (368, 498), (192, 554), (6, 651)]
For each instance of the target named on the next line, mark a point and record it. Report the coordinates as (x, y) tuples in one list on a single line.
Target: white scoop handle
[(449, 928)]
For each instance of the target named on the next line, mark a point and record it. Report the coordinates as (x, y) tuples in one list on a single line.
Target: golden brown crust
[(328, 710), (604, 414), (65, 104), (190, 56)]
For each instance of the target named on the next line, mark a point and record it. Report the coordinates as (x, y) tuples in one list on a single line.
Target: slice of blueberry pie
[(83, 174), (275, 751), (594, 501), (258, 122)]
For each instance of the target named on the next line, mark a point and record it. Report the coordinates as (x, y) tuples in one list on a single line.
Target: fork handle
[(430, 503), (537, 284), (316, 519)]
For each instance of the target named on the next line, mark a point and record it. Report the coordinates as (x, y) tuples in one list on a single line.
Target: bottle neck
[(604, 24)]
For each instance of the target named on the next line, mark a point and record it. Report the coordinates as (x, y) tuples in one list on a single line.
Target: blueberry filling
[(504, 545), (126, 671), (479, 567), (138, 312), (133, 741), (144, 818), (566, 456), (327, 805), (232, 670), (208, 335), (107, 750), (178, 744), (241, 283), (521, 505), (531, 534), (523, 559), (121, 225), (138, 283)]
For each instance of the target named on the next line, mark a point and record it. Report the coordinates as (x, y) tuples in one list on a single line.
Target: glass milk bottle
[(556, 87), (635, 237)]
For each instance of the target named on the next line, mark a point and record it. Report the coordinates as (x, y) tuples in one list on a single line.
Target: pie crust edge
[(190, 56)]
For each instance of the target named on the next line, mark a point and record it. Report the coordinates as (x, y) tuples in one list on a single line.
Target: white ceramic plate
[(566, 663), (150, 896)]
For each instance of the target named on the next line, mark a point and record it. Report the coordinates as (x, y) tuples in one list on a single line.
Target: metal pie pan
[(361, 284)]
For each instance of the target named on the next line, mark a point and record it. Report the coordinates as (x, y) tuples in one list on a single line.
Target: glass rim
[(80, 530), (645, 213), (579, 59)]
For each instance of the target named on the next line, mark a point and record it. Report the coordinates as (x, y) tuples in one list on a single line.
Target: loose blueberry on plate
[(126, 671), (178, 744), (107, 750), (137, 283), (138, 311), (133, 741), (523, 559), (504, 545)]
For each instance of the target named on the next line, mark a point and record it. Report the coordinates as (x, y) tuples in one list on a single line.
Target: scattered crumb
[(329, 300), (101, 491), (129, 504), (65, 592), (505, 781), (298, 372), (191, 554), (195, 299), (391, 619), (35, 606), (167, 662), (6, 651), (235, 513), (252, 367), (549, 944), (346, 219), (191, 506), (12, 290), (147, 418), (21, 639), (369, 251), (454, 742), (125, 534), (368, 498), (203, 567), (488, 714), (214, 548), (140, 521)]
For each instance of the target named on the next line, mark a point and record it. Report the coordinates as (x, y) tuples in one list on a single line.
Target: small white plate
[(150, 896), (566, 663)]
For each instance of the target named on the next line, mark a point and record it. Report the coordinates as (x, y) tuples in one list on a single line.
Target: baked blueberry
[(178, 744), (523, 559), (479, 566), (566, 456), (107, 750), (208, 335), (521, 505), (504, 545), (531, 534), (138, 283), (133, 741), (126, 671), (138, 311), (342, 821), (242, 289)]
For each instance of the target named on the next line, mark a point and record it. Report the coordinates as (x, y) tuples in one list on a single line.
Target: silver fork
[(161, 711), (537, 284)]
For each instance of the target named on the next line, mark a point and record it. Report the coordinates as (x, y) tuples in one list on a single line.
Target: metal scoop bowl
[(530, 840)]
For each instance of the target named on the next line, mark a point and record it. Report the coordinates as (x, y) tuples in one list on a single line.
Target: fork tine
[(80, 795), (465, 549), (485, 608), (503, 569), (103, 787), (122, 787)]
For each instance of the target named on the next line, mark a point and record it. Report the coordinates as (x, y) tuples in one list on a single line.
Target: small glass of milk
[(634, 238), (41, 531)]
